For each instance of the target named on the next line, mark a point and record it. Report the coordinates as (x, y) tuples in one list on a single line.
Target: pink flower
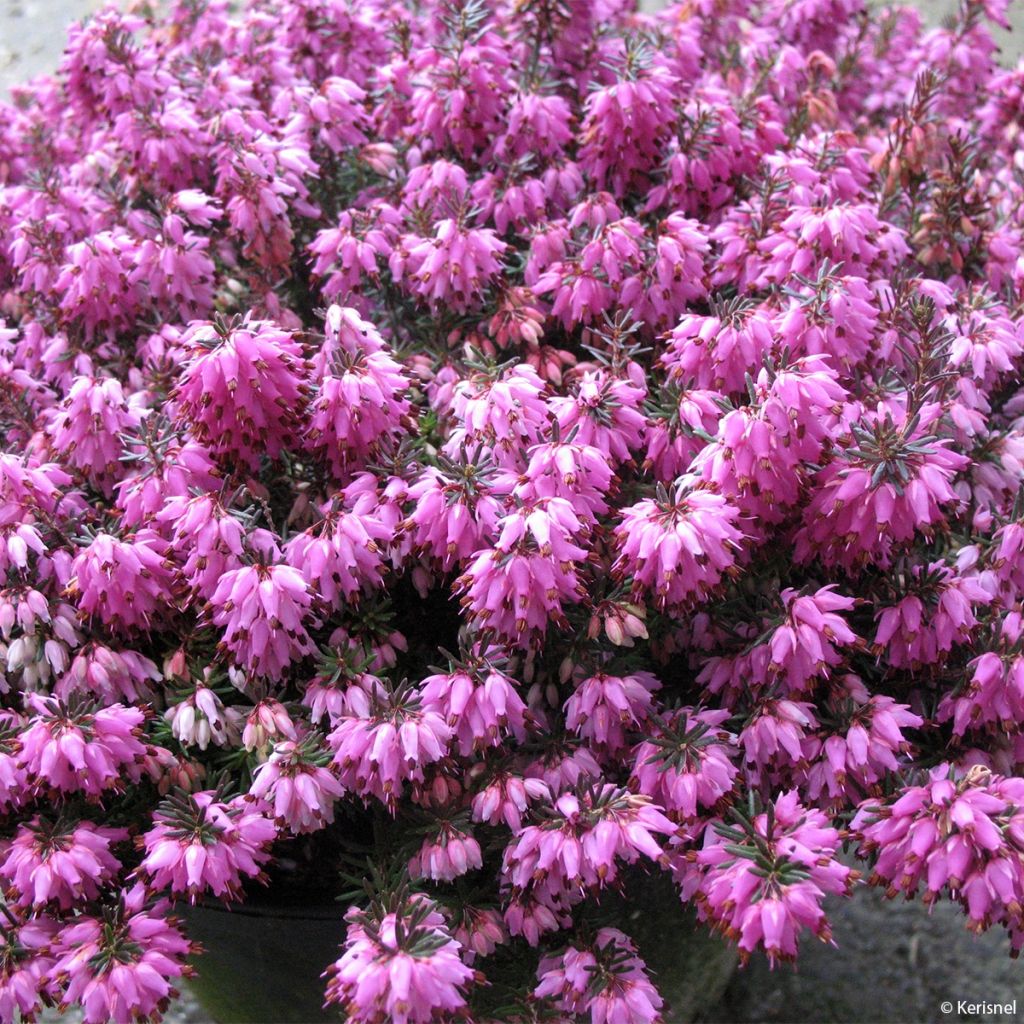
[(262, 609), (505, 798), (164, 469), (688, 765), (479, 702), (403, 967), (386, 742), (455, 514), (719, 351), (479, 931), (86, 431), (625, 128), (876, 495), (518, 587), (865, 742), (343, 685), (579, 473), (26, 965), (607, 979), (243, 389), (579, 845), (604, 707), (268, 720), (678, 547), (201, 843), (121, 968), (446, 854), (804, 647), (604, 413), (960, 834), (60, 862), (773, 736), (295, 783), (453, 267), (207, 540), (937, 614), (125, 583), (763, 882), (504, 410), (993, 696), (109, 675), (74, 748), (359, 402), (343, 555)]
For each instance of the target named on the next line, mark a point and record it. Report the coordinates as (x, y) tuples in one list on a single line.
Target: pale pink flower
[(403, 968), (202, 843), (60, 862), (296, 784)]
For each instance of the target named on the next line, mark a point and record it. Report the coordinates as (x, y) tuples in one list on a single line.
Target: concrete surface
[(32, 35)]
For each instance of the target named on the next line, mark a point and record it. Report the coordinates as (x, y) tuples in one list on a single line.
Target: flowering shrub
[(529, 444)]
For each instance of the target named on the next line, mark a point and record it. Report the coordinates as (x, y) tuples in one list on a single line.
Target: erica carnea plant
[(493, 450)]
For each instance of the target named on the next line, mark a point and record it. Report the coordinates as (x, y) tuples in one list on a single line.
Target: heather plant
[(493, 451)]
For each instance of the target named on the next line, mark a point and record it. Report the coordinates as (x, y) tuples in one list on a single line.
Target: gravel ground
[(893, 963)]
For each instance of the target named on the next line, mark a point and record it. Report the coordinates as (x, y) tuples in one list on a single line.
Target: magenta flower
[(959, 834), (804, 647), (450, 268), (774, 735), (60, 862), (763, 883), (581, 842), (403, 967), (26, 965), (111, 675), (677, 547), (719, 351), (937, 614), (606, 980), (688, 764), (86, 431), (341, 556), (666, 365), (479, 702), (603, 413), (898, 481), (625, 128), (505, 411), (121, 968), (519, 586), (262, 609), (388, 740), (604, 707), (994, 694), (76, 748), (865, 744), (201, 843), (243, 388), (296, 784), (454, 515), (359, 403), (206, 540), (125, 583)]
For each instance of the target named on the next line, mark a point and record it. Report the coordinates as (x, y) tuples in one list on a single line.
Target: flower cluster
[(533, 445)]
